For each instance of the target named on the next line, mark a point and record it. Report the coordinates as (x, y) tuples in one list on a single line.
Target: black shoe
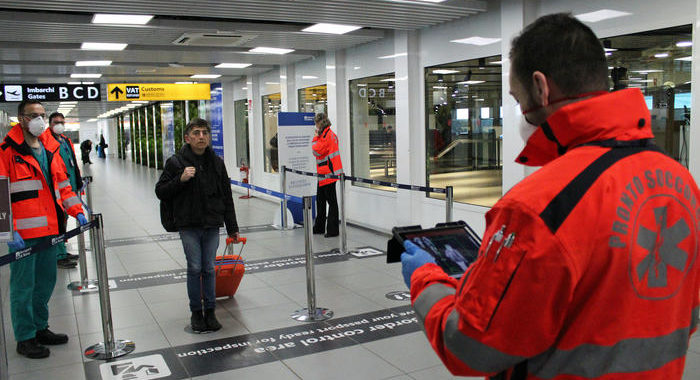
[(331, 234), (197, 322), (31, 349), (72, 257), (50, 338), (66, 264), (210, 319)]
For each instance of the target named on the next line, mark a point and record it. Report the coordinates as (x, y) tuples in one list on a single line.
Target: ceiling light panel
[(600, 15), (93, 63), (205, 76), (105, 18), (476, 40), (331, 28), (445, 71), (269, 50), (86, 75), (102, 46), (233, 65)]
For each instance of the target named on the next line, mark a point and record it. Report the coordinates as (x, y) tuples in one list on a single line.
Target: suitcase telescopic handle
[(231, 240)]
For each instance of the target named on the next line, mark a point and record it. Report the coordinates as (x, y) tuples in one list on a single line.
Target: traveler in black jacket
[(196, 181)]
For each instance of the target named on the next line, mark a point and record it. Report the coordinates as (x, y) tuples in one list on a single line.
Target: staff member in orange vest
[(589, 267), (325, 149), (40, 194)]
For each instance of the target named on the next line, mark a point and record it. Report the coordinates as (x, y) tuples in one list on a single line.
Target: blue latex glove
[(412, 259), (17, 243), (82, 219)]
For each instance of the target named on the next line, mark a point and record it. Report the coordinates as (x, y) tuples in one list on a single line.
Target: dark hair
[(322, 118), (24, 103), (563, 49), (197, 122), (55, 114)]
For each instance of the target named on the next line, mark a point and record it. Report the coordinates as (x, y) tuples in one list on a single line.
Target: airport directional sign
[(127, 92), (50, 92)]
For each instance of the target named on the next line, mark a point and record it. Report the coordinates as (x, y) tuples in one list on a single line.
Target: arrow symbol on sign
[(116, 91)]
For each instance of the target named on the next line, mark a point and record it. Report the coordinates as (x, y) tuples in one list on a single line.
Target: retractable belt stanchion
[(283, 186), (109, 348), (343, 225), (449, 203), (311, 313), (84, 282), (3, 347)]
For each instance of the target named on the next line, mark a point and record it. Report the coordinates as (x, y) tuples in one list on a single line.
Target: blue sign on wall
[(217, 120)]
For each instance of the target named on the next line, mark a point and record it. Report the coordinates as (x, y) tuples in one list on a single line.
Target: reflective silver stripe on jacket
[(429, 297), (473, 353), (320, 161), (57, 194), (3, 177), (626, 356), (339, 171), (28, 185), (336, 153), (70, 202), (63, 184), (315, 153), (36, 222)]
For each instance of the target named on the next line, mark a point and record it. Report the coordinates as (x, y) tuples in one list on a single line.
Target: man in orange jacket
[(57, 125), (589, 266), (40, 193), (327, 153)]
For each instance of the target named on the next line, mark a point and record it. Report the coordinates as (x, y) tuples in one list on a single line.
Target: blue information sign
[(217, 120)]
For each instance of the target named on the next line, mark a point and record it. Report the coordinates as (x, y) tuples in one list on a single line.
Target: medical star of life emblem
[(663, 248)]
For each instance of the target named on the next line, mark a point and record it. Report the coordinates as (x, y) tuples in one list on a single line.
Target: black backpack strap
[(563, 203)]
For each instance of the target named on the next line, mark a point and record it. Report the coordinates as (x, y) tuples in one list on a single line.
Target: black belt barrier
[(22, 253), (372, 182)]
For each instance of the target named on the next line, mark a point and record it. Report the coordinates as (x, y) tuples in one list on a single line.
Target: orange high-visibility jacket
[(591, 270), (36, 204), (327, 153)]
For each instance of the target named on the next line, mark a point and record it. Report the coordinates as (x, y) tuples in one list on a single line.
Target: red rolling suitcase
[(229, 269)]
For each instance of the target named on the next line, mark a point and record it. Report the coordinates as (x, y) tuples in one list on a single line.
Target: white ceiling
[(41, 39)]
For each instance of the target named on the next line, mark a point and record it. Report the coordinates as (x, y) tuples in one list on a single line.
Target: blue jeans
[(200, 245)]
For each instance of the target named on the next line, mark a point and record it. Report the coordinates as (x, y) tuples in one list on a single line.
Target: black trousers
[(326, 194)]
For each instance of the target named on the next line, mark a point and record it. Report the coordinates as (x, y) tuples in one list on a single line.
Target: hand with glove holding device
[(412, 259), (17, 242), (82, 219)]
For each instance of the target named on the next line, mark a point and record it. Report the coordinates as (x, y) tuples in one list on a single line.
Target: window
[(179, 123), (373, 129), (313, 99), (270, 107), (464, 129), (659, 64), (240, 109)]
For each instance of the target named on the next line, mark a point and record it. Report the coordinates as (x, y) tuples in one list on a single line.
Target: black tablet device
[(453, 245)]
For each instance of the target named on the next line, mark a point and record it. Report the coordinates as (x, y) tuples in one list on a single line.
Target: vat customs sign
[(50, 92), (127, 92)]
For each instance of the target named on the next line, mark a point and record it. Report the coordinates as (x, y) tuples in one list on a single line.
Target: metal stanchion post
[(109, 348), (343, 225), (311, 313), (3, 351), (84, 282), (449, 203), (283, 186)]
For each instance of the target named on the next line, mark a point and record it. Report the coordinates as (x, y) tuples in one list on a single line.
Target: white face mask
[(58, 128), (37, 126), (526, 129)]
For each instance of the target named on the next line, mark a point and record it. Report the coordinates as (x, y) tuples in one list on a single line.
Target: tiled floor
[(155, 317)]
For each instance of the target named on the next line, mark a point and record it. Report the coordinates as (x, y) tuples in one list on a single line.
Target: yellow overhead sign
[(126, 92)]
